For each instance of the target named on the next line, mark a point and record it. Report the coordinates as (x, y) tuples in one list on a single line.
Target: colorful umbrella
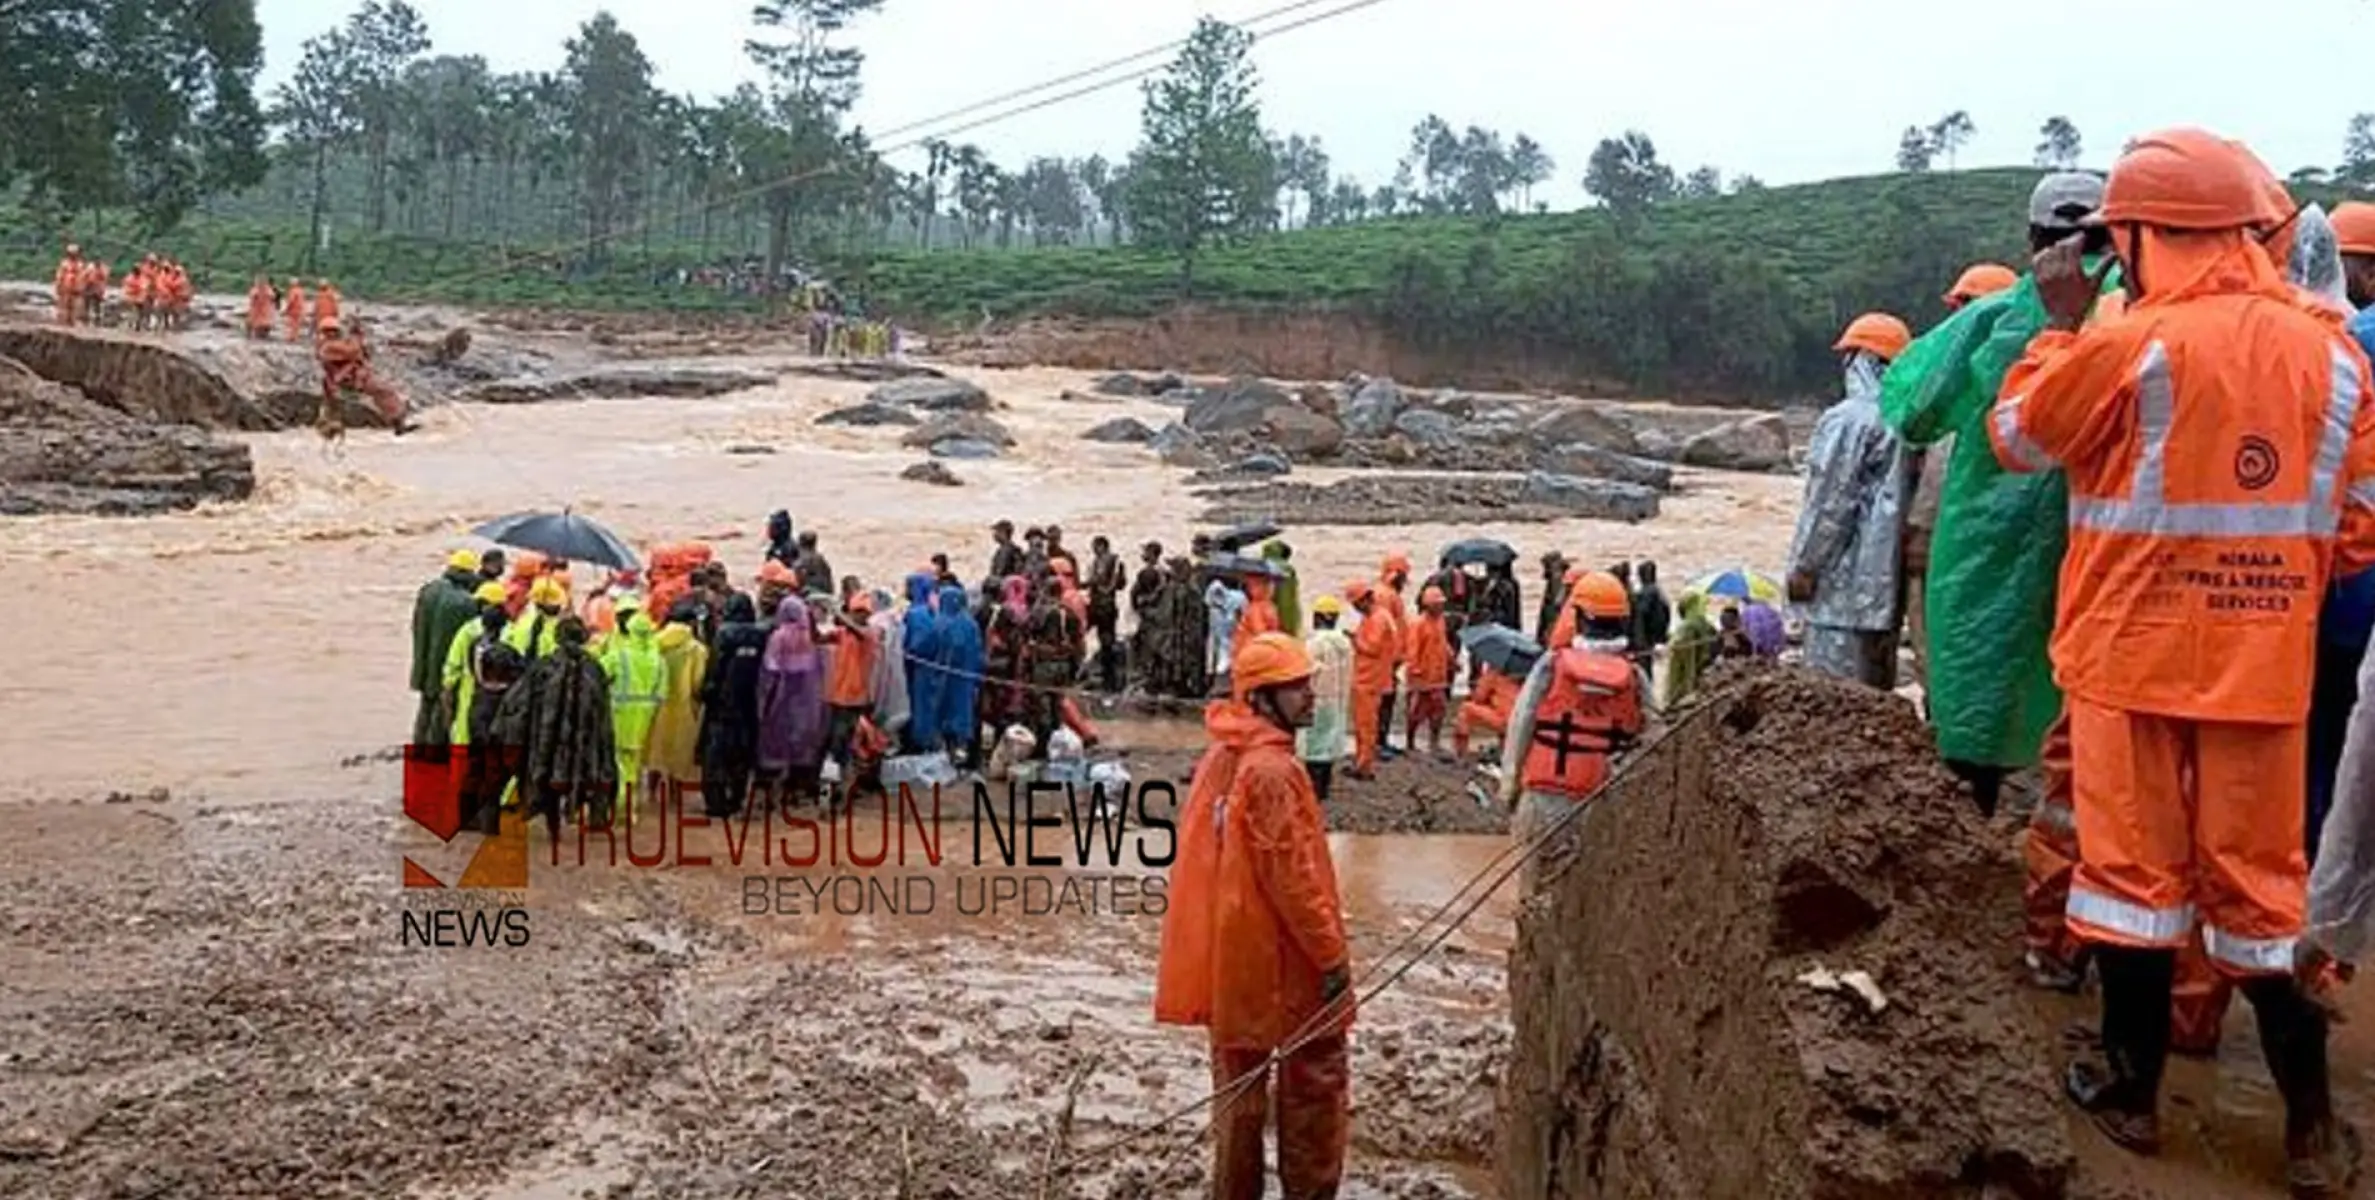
[(1736, 583)]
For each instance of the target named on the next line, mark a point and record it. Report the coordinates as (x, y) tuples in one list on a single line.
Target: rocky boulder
[(869, 414), (1600, 498), (1122, 383), (622, 383), (965, 448), (1303, 434), (1374, 405), (1428, 427), (1121, 430), (958, 426), (1178, 446), (1758, 443), (1261, 465), (126, 469), (1450, 402), (933, 395), (1592, 462), (1571, 423), (1242, 407), (935, 473)]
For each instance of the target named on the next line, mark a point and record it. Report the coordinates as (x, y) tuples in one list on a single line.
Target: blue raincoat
[(920, 643), (961, 656)]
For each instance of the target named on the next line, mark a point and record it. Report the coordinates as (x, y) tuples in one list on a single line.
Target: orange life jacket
[(1593, 698)]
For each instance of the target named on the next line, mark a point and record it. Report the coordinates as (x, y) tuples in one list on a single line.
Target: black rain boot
[(2321, 1153), (2123, 1095)]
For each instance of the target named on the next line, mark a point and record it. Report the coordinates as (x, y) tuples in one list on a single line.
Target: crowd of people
[(2125, 506), (155, 293)]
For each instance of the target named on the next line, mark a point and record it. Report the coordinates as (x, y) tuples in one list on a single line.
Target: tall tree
[(1482, 173), (147, 103), (1530, 166), (1914, 150), (1952, 132), (1303, 169), (1624, 173), (1703, 183), (1096, 178), (609, 108), (2358, 152), (1431, 169), (977, 191), (2058, 145), (1051, 201), (384, 37), (314, 107), (815, 82), (1203, 168)]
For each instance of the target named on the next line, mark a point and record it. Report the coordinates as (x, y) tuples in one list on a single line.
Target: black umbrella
[(1479, 550), (562, 535), (1238, 537), (1242, 564), (1501, 648)]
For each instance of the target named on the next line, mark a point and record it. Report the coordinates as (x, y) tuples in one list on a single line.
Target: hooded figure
[(559, 717), (439, 610), (1287, 593), (780, 547), (638, 678), (791, 696), (920, 644), (891, 714), (1848, 553), (1002, 701), (960, 667), (1182, 644), (730, 709), (1325, 742), (674, 750), (1694, 648)]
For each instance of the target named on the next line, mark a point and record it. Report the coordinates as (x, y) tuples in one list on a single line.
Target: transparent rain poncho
[(2342, 888), (2316, 263), (1851, 527)]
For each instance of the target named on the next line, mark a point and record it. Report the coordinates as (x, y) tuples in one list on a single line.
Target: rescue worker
[(260, 302), (1427, 647), (1254, 948), (1261, 611), (293, 309), (2220, 459), (1989, 563), (560, 720), (2345, 623), (1488, 707), (439, 610), (140, 294), (457, 678), (66, 286), (849, 687), (1581, 704), (1375, 643), (673, 752), (326, 307), (94, 293), (537, 629), (1393, 576), (346, 366), (1846, 557), (1324, 742), (638, 679)]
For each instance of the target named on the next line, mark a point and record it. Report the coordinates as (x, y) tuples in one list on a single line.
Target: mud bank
[(1666, 1045), (1412, 499)]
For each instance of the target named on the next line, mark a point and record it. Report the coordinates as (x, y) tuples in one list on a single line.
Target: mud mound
[(1421, 499), (1664, 1044), (61, 451), (139, 378)]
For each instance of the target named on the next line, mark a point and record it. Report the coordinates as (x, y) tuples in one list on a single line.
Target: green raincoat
[(1996, 553), (1287, 595)]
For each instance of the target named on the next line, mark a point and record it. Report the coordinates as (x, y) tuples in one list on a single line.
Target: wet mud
[(1381, 499)]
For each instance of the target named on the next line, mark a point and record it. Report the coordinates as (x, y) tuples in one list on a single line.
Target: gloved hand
[(1334, 983)]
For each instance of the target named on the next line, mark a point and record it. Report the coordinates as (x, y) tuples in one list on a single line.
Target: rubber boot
[(2123, 1097), (2321, 1153)]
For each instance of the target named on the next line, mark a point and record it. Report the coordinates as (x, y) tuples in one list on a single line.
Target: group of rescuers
[(157, 294), (2153, 467)]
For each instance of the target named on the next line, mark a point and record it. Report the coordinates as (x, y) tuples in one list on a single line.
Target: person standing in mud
[(1034, 566), (730, 709), (1653, 618), (558, 716), (1253, 946), (439, 610), (1554, 594), (780, 546), (1005, 653), (1057, 550), (1847, 557), (1185, 623), (1581, 704), (1051, 660), (1106, 579), (810, 568), (1006, 558)]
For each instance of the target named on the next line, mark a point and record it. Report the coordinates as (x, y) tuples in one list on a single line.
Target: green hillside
[(1738, 294)]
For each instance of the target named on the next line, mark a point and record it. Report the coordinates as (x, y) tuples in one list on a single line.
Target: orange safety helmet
[(1877, 332), (1601, 596), (1357, 591), (1981, 279), (1268, 660), (2187, 179), (2354, 226), (1397, 561)]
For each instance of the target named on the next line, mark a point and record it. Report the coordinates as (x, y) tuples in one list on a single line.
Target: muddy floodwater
[(209, 991)]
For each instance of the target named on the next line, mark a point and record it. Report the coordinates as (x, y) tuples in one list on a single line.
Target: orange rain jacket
[(1261, 612), (1428, 649), (1254, 919), (259, 308), (292, 310), (2192, 581)]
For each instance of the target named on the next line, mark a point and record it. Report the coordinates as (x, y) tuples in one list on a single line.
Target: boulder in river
[(933, 395), (1129, 430), (1600, 498), (1585, 459), (1264, 465), (1122, 383), (947, 426), (1178, 446), (1428, 427), (934, 473), (1573, 422), (1758, 443), (1241, 407), (964, 448), (1302, 433), (1375, 403), (870, 413)]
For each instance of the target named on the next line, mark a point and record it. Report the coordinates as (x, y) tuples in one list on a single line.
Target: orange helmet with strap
[(1601, 596), (2186, 179), (1267, 660), (1877, 332)]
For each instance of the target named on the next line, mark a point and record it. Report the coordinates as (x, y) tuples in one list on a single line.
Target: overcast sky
[(1788, 91)]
